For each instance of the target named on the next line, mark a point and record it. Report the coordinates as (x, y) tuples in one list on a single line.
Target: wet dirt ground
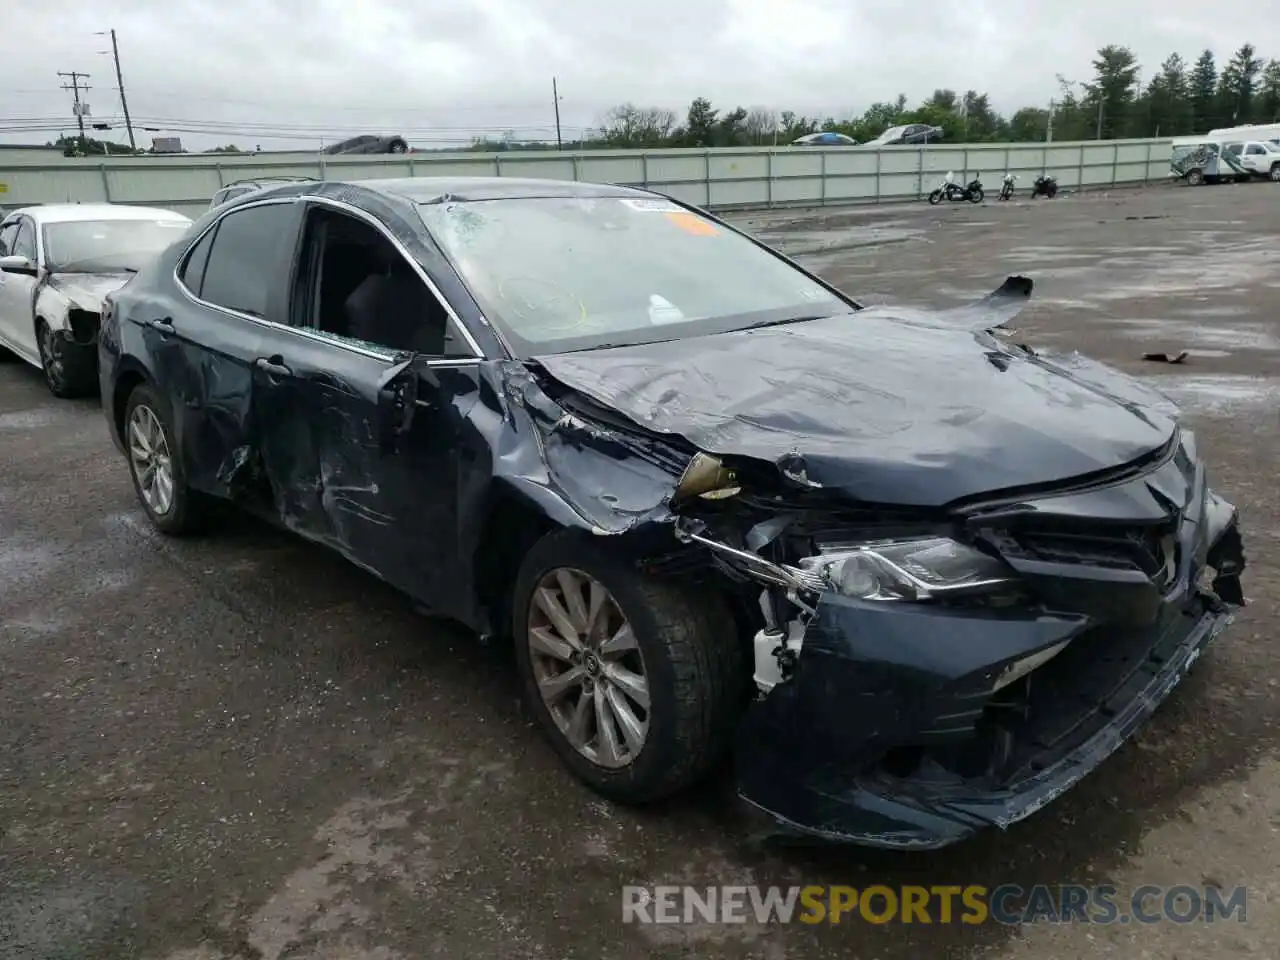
[(243, 748)]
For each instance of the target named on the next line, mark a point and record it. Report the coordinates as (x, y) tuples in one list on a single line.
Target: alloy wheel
[(588, 667), (151, 461)]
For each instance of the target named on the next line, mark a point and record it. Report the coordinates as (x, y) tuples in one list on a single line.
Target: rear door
[(230, 311)]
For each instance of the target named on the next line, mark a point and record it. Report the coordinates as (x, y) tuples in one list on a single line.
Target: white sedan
[(57, 263)]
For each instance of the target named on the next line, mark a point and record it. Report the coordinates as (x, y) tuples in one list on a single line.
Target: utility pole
[(555, 97), (124, 104), (75, 88), (1048, 134)]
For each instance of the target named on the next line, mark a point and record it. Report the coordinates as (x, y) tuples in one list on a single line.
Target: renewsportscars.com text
[(942, 904)]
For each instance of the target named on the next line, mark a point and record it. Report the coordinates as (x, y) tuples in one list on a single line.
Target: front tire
[(637, 682), (69, 369), (1275, 173), (158, 477), (936, 197)]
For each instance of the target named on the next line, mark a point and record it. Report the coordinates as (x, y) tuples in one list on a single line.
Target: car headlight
[(918, 569)]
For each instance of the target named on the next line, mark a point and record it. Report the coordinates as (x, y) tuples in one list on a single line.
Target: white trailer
[(1249, 131)]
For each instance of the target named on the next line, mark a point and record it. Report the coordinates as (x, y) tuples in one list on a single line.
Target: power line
[(75, 89)]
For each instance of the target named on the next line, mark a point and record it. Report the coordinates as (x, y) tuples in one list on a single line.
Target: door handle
[(163, 325), (273, 366)]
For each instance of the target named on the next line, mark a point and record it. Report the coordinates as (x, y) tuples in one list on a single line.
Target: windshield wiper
[(801, 319)]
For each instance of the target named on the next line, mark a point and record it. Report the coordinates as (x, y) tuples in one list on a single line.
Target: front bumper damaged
[(899, 727)]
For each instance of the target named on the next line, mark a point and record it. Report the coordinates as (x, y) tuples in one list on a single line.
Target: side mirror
[(397, 401), (18, 264)]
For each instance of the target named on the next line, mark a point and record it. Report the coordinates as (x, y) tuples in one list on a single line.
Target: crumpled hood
[(889, 405), (87, 290)]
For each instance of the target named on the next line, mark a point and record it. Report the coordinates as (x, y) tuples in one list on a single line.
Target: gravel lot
[(242, 748)]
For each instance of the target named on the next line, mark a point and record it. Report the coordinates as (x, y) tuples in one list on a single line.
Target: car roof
[(71, 212), (435, 189)]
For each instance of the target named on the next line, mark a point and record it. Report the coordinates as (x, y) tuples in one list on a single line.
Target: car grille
[(1150, 550)]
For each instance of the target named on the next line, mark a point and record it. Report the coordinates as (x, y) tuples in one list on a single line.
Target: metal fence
[(742, 178)]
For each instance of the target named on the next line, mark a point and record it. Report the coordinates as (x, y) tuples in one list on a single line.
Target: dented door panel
[(347, 469), (203, 360)]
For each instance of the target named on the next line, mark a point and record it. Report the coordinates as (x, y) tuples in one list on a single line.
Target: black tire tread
[(79, 374), (706, 659)]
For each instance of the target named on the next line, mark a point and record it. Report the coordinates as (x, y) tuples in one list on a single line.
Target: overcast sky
[(443, 71)]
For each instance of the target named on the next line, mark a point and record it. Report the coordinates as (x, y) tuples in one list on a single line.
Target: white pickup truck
[(1260, 157)]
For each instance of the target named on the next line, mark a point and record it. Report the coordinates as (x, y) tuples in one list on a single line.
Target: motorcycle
[(1006, 186), (952, 191), (1044, 186)]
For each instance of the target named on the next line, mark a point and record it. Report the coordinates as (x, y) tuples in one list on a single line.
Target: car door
[(362, 438), (18, 290), (230, 310)]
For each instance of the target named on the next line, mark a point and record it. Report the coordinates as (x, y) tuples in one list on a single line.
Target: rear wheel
[(69, 368), (399, 146), (976, 195), (1275, 172), (637, 682), (156, 465), (1195, 178)]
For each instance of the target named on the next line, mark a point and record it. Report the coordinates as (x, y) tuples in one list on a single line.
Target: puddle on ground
[(804, 242), (1207, 312), (27, 419), (1179, 333), (1069, 304), (23, 560), (1045, 255), (1221, 394)]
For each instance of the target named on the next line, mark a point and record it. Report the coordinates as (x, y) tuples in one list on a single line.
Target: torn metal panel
[(911, 726), (888, 405), (598, 476), (70, 304)]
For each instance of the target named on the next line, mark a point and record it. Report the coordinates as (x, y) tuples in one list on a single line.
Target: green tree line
[(1180, 98)]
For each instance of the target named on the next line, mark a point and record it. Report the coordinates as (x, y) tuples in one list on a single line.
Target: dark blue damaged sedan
[(915, 578)]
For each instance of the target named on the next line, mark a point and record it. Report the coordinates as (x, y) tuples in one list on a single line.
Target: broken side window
[(358, 288)]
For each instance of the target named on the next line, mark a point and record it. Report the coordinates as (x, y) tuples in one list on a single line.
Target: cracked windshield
[(560, 274)]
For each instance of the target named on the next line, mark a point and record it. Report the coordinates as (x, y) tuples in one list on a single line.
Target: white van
[(1254, 156)]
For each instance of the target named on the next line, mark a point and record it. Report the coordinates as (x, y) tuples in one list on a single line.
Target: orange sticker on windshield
[(692, 223)]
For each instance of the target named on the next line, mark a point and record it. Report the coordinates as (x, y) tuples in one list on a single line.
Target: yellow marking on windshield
[(692, 223)]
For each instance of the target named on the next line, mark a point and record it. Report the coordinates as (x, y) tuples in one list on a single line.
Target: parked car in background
[(911, 133), (924, 578), (824, 139), (369, 144), (57, 263), (238, 188)]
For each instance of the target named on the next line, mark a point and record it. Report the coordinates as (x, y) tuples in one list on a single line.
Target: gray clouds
[(476, 66)]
